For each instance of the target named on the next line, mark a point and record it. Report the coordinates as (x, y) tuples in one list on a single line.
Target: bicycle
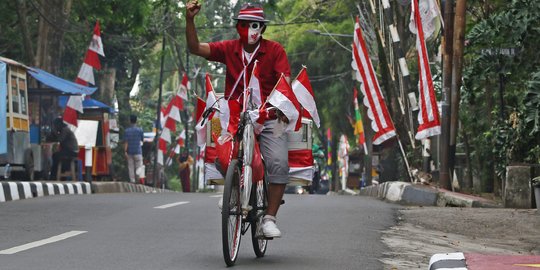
[(244, 204)]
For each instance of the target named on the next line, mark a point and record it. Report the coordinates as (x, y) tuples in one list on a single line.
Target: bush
[(174, 184)]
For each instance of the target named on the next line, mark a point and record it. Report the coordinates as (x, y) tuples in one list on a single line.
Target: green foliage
[(174, 184), (501, 55)]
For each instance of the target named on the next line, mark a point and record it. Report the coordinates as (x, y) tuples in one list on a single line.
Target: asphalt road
[(126, 231)]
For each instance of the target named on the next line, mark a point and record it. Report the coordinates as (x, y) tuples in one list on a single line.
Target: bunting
[(428, 115), (85, 76), (358, 125), (378, 113)]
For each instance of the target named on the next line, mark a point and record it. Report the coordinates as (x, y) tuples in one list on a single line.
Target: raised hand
[(192, 8)]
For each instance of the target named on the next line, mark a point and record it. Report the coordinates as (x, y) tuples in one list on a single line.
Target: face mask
[(249, 32)]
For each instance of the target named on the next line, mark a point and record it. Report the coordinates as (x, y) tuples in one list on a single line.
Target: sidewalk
[(472, 261), (19, 190), (441, 229)]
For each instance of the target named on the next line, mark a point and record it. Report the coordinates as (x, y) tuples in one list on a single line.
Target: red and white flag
[(283, 98), (381, 122), (254, 87), (85, 76), (257, 114), (184, 87), (180, 142), (200, 128), (428, 115), (210, 94), (229, 115), (304, 93), (73, 106)]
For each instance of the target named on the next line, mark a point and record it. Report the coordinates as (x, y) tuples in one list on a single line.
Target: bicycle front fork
[(248, 142)]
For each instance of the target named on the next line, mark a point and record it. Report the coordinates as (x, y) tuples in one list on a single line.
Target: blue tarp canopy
[(60, 84), (88, 103)]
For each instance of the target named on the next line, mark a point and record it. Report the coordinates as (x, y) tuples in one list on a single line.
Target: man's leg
[(54, 167), (138, 161), (275, 152), (275, 195), (131, 168)]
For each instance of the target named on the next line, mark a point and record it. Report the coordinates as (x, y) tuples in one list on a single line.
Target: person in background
[(185, 161), (133, 138), (69, 147)]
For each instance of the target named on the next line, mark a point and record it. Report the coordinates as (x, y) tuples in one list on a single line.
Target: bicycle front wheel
[(259, 203), (231, 214)]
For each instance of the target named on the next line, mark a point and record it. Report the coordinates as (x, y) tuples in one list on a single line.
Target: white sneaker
[(269, 227), (220, 203)]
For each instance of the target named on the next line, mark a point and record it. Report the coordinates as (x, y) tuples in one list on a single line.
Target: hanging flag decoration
[(171, 116), (431, 18), (358, 125), (378, 113), (428, 115), (184, 87), (304, 93), (85, 76), (283, 98), (329, 146)]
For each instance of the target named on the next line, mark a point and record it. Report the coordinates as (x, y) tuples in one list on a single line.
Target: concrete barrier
[(12, 191), (422, 195)]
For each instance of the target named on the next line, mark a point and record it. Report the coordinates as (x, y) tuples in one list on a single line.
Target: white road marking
[(216, 196), (35, 244), (169, 205)]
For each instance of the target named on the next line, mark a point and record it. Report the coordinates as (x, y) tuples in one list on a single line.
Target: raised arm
[(195, 47)]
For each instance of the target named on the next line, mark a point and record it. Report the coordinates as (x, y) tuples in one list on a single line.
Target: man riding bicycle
[(239, 56)]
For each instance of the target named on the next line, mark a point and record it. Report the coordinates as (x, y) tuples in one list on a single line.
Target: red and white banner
[(304, 93), (85, 76), (378, 113), (428, 115), (283, 98)]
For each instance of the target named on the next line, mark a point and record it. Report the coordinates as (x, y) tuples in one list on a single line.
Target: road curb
[(13, 191), (124, 187), (421, 195)]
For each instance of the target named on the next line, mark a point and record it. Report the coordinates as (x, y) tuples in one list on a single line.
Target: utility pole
[(158, 106), (444, 170), (457, 71)]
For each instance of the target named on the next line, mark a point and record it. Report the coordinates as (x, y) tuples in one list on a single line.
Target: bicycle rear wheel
[(259, 203), (231, 214)]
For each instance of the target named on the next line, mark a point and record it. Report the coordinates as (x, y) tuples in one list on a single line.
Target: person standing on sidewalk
[(133, 138), (185, 161), (239, 56)]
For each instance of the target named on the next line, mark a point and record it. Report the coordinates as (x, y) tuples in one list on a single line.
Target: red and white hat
[(251, 12)]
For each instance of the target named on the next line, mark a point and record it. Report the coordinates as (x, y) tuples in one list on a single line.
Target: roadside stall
[(31, 105), (94, 131)]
